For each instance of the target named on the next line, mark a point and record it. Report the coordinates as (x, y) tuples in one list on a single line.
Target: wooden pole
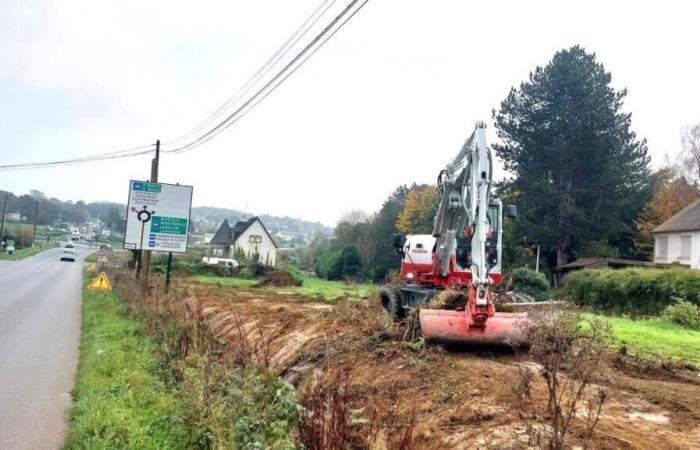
[(154, 179)]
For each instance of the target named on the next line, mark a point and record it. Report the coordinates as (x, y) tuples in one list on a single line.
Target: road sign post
[(158, 218)]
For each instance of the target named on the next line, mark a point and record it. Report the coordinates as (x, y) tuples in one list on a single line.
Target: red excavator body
[(462, 254)]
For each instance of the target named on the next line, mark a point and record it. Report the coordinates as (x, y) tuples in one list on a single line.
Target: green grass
[(312, 287), (120, 400), (333, 290), (24, 252), (656, 338), (225, 281)]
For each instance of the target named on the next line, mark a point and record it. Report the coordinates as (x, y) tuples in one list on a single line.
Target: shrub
[(246, 273), (635, 291), (330, 265), (683, 313), (527, 281), (336, 264)]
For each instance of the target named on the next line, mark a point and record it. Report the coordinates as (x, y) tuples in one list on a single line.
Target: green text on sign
[(169, 225)]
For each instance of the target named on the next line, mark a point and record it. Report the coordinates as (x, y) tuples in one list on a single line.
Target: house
[(678, 239), (249, 237)]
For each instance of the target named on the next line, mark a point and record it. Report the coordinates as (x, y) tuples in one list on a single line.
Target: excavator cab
[(463, 253)]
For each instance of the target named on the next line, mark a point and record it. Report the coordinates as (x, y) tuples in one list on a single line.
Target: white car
[(68, 255)]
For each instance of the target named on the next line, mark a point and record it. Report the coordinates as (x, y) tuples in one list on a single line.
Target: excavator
[(462, 254)]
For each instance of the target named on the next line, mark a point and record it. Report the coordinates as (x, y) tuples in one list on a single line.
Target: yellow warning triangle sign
[(101, 283)]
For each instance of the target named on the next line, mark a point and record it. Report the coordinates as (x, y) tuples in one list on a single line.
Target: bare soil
[(444, 398)]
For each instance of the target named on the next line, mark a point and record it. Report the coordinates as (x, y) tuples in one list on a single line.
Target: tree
[(673, 193), (419, 210), (111, 218), (690, 152), (580, 173)]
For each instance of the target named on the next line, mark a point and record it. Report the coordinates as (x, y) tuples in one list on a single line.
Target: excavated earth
[(442, 398)]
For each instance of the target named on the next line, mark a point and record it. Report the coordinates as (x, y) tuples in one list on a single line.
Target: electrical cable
[(263, 70), (278, 79), (269, 87)]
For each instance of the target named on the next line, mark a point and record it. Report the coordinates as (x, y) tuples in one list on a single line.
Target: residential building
[(678, 239), (249, 237)]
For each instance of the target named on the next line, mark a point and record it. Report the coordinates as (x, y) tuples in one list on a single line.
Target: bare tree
[(690, 152), (354, 217)]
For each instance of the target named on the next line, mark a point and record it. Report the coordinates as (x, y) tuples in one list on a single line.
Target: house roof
[(687, 219), (223, 234), (227, 235)]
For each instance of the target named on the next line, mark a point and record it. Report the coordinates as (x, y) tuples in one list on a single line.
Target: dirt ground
[(444, 398)]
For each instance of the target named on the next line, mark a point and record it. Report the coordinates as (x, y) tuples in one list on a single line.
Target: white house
[(678, 239), (249, 236)]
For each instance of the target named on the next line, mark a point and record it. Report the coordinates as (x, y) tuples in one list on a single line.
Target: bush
[(330, 265), (337, 264), (527, 281), (635, 291), (246, 273), (682, 312)]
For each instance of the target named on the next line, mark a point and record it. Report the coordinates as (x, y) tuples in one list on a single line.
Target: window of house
[(685, 247), (254, 239), (662, 247)]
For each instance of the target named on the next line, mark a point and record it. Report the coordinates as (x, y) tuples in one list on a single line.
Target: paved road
[(39, 335)]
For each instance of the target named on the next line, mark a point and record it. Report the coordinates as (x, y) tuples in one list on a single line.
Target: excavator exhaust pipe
[(454, 327)]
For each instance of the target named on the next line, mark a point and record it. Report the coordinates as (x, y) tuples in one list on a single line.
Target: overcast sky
[(389, 100)]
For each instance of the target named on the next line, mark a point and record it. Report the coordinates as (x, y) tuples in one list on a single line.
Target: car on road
[(68, 255)]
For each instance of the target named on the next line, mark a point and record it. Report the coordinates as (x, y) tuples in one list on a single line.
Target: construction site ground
[(451, 398)]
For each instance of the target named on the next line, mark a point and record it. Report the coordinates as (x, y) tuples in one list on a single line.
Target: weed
[(563, 344)]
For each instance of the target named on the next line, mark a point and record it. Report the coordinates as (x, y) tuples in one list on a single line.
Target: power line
[(281, 76), (291, 67), (133, 151), (308, 23)]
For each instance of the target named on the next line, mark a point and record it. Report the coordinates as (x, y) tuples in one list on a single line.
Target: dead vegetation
[(568, 358), (366, 382)]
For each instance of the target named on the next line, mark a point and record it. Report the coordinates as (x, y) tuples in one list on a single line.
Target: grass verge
[(656, 338), (120, 399), (24, 252)]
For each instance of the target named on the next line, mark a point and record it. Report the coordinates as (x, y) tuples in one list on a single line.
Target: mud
[(445, 398)]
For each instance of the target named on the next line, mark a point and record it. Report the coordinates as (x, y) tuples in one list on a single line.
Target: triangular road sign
[(101, 283)]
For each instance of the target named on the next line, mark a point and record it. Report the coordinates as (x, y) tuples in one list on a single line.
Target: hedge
[(337, 264), (636, 291), (527, 281)]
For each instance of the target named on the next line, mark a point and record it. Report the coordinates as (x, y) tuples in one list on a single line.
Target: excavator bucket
[(454, 327)]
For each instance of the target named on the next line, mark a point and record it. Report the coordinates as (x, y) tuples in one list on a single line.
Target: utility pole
[(36, 219), (537, 261), (2, 223), (154, 179)]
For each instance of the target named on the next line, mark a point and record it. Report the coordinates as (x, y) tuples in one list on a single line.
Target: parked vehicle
[(223, 262)]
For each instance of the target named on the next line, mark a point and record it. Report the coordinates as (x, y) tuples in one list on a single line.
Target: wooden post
[(154, 179)]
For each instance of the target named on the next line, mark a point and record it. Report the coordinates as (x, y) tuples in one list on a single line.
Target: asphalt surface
[(40, 300)]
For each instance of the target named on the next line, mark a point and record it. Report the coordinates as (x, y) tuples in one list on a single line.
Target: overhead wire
[(125, 153), (309, 50), (300, 32), (278, 79)]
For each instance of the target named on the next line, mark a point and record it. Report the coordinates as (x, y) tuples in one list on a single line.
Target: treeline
[(54, 211), (580, 176), (363, 244)]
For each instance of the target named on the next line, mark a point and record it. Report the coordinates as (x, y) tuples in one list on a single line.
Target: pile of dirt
[(280, 278)]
